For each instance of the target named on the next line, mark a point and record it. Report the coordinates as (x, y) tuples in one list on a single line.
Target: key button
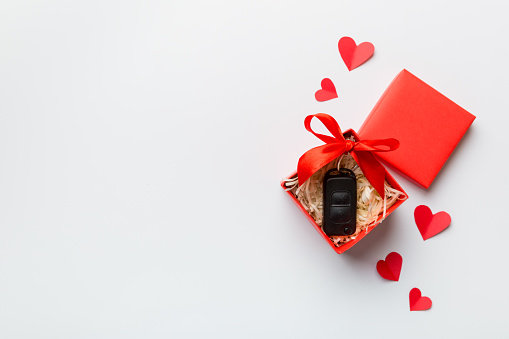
[(341, 198), (340, 214)]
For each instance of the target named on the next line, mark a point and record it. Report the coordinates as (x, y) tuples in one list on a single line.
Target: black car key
[(339, 202)]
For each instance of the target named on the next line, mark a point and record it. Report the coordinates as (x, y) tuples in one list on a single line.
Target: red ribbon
[(336, 145)]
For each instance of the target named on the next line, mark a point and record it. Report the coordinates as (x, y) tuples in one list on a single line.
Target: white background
[(141, 148)]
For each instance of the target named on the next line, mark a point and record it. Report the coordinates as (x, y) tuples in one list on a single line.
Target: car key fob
[(339, 202)]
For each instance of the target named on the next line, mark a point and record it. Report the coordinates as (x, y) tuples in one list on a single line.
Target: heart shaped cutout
[(430, 224), (353, 55), (327, 92), (390, 268), (417, 301)]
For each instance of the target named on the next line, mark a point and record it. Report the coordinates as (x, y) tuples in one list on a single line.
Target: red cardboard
[(430, 224), (327, 92), (417, 301), (427, 124), (353, 55), (390, 268), (342, 248)]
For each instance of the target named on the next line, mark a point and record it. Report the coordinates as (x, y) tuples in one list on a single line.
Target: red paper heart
[(417, 301), (391, 267), (354, 55), (430, 224), (327, 92)]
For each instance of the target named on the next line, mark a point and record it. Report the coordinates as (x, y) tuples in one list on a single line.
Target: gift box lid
[(427, 124)]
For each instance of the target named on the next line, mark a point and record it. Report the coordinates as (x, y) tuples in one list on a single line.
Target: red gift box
[(428, 127), (427, 124), (348, 245)]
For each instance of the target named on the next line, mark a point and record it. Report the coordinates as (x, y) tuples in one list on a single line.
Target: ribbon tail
[(372, 169), (314, 159)]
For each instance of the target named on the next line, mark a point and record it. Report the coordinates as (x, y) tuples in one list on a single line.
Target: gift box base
[(342, 248)]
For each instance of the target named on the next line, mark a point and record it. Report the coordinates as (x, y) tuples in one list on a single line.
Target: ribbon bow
[(336, 145)]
